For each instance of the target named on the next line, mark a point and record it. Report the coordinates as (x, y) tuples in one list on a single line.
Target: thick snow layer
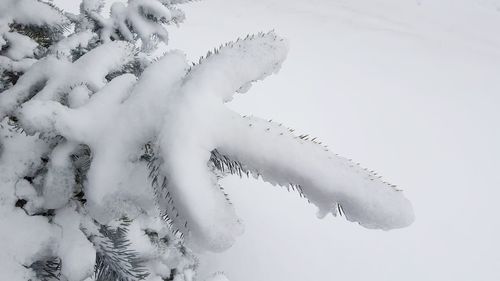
[(52, 78), (60, 178), (160, 261), (143, 19), (17, 50), (74, 248), (22, 247), (188, 136), (30, 12), (7, 64), (20, 46), (331, 182), (178, 112), (236, 65), (189, 124), (43, 188), (408, 88), (117, 182), (326, 180), (72, 42)]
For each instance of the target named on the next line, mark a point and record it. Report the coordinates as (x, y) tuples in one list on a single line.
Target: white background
[(409, 88)]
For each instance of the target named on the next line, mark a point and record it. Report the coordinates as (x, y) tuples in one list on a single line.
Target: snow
[(197, 123), (28, 12), (22, 247), (159, 260), (17, 50), (218, 277), (190, 123), (74, 248), (7, 64), (187, 136), (328, 181), (235, 66), (183, 113), (409, 90), (113, 179), (60, 178), (145, 19), (114, 174), (72, 42), (51, 78), (37, 170), (20, 46)]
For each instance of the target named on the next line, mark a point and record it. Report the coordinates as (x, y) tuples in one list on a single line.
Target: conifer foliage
[(110, 158)]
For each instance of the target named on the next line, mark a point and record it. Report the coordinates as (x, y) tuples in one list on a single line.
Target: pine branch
[(45, 36), (114, 258), (8, 79), (221, 164), (226, 165), (134, 67), (81, 159), (48, 269), (164, 201)]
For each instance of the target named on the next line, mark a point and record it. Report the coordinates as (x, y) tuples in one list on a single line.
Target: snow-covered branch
[(108, 154)]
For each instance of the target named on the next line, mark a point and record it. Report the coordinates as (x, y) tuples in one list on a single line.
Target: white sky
[(406, 87)]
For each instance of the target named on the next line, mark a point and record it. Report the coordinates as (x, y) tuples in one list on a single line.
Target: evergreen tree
[(110, 158)]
